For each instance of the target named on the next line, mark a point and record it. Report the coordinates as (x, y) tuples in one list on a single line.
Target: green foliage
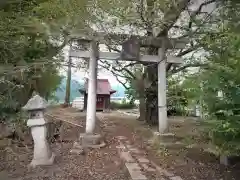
[(30, 54), (131, 93), (223, 75), (123, 105), (176, 97), (135, 83)]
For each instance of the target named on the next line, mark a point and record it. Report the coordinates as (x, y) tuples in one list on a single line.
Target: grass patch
[(188, 138), (158, 148), (124, 105)]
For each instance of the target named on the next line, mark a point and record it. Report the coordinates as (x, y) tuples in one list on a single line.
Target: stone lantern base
[(42, 154), (39, 162), (87, 141)]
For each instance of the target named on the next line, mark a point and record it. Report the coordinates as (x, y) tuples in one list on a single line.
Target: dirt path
[(180, 161), (127, 155)]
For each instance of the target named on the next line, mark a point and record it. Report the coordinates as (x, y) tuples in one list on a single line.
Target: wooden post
[(92, 88), (162, 102), (68, 84)]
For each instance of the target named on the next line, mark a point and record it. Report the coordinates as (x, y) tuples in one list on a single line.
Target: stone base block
[(77, 149), (87, 141), (91, 140), (229, 160), (163, 134), (106, 111), (38, 162), (224, 160)]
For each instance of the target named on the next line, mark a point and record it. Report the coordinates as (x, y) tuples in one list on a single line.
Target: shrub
[(125, 105)]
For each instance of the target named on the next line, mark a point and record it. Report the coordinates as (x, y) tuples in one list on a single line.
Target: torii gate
[(130, 52)]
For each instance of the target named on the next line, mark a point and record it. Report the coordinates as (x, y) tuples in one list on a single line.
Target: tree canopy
[(33, 34)]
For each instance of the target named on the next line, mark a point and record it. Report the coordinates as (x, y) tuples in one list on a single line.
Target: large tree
[(181, 18)]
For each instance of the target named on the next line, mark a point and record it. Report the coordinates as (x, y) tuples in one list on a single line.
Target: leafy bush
[(176, 110), (176, 98), (216, 86), (223, 76)]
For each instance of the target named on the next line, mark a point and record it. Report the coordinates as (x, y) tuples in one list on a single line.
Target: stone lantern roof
[(35, 103)]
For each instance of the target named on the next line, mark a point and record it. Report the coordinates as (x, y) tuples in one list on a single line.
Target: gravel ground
[(105, 163), (95, 164)]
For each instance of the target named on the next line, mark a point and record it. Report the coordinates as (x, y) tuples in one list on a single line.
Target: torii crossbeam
[(161, 59)]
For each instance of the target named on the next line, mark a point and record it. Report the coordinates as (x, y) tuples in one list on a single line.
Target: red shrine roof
[(103, 87)]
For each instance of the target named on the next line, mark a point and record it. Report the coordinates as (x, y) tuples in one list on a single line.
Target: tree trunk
[(142, 108), (151, 115), (140, 87), (68, 84), (151, 110)]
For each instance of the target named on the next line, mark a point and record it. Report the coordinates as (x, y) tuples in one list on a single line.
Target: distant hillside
[(76, 85)]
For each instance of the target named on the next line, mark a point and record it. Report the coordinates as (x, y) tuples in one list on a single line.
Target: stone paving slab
[(142, 160), (134, 166), (129, 146), (135, 171), (126, 156), (176, 178), (162, 171), (121, 146), (135, 150), (147, 168), (121, 137)]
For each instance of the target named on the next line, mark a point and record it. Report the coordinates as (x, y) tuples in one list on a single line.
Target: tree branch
[(110, 48), (187, 66), (123, 84), (55, 49), (119, 65), (140, 12), (127, 70), (187, 51), (116, 75), (180, 54), (171, 16), (198, 11)]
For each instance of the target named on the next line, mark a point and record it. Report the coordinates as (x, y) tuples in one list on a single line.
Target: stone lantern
[(42, 154)]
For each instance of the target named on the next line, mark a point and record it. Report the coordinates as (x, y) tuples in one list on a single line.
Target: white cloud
[(80, 74)]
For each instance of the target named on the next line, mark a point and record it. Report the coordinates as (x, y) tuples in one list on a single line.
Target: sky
[(103, 73), (80, 74)]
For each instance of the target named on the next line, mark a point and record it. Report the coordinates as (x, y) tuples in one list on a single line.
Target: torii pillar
[(89, 139), (92, 88), (162, 95)]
